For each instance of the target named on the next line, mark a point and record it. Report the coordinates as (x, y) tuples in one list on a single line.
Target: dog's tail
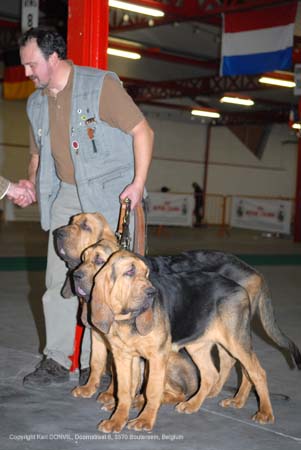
[(267, 316)]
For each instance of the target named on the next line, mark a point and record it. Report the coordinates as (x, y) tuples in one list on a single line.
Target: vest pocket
[(118, 175)]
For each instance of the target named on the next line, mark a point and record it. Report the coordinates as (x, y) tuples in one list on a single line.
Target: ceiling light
[(277, 81), (136, 8), (244, 101), (206, 113), (123, 53), (296, 126)]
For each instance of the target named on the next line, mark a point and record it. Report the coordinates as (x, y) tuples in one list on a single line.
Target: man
[(198, 203), (90, 148)]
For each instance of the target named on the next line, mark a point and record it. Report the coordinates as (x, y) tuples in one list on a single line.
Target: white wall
[(14, 155), (233, 169), (179, 156)]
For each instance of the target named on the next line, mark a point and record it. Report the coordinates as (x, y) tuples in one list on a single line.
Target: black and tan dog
[(86, 229), (182, 377), (145, 315)]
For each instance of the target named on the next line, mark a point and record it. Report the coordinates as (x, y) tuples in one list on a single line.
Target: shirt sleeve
[(4, 185), (116, 107)]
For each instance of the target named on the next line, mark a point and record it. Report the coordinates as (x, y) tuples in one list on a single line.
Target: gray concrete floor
[(51, 418)]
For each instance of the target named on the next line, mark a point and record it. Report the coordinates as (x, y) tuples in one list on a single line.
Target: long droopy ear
[(84, 313), (67, 291), (101, 315), (106, 232), (144, 322)]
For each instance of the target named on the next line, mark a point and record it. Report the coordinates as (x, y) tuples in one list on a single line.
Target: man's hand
[(134, 193), (22, 194)]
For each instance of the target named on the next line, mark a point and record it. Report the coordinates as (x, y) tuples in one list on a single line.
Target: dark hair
[(48, 41)]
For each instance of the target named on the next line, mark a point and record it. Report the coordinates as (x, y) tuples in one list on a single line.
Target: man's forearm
[(143, 150), (33, 167)]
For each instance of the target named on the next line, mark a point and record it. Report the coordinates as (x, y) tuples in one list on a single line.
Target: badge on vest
[(91, 131), (75, 146)]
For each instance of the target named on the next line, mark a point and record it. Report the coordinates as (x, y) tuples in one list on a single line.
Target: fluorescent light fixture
[(244, 101), (277, 82), (123, 53), (296, 126), (206, 113), (136, 8)]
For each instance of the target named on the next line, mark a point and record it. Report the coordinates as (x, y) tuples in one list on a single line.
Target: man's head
[(41, 52)]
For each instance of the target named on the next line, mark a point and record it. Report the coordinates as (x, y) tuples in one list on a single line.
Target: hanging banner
[(266, 215), (30, 14), (170, 209)]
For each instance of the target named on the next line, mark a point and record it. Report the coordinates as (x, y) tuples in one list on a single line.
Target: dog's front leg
[(154, 394), (123, 364), (97, 364)]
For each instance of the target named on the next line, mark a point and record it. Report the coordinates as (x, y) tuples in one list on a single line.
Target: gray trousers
[(60, 313)]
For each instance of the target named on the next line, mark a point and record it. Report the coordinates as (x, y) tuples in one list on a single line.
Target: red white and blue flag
[(258, 41)]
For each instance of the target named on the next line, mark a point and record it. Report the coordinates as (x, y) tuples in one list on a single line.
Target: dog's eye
[(99, 261), (84, 226), (131, 272)]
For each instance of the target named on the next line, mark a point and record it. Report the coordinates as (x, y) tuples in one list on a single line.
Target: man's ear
[(53, 59), (144, 322)]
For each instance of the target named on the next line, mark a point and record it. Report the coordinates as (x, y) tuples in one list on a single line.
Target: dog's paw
[(263, 417), (83, 391), (140, 424), (109, 406), (106, 397), (232, 402), (111, 425), (187, 408)]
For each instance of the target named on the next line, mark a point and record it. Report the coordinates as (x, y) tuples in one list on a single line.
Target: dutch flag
[(258, 41)]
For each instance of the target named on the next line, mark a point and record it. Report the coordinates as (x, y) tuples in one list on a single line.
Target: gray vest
[(104, 164)]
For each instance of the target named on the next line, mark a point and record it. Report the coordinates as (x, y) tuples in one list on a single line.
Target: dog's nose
[(59, 233)]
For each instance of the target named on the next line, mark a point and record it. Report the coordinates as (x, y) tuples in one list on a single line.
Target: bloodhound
[(85, 229), (147, 314), (182, 377)]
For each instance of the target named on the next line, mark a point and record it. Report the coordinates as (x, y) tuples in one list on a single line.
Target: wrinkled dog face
[(122, 287), (84, 230), (93, 258)]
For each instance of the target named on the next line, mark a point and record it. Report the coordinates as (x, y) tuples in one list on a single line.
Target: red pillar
[(88, 31), (87, 44)]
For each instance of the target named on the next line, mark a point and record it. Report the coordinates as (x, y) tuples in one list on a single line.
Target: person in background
[(198, 204), (91, 147), (21, 192)]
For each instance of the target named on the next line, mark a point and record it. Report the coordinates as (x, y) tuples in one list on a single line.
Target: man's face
[(37, 68)]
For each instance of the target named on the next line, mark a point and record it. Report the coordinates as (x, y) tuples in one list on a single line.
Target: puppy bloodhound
[(84, 229), (145, 314), (182, 377)]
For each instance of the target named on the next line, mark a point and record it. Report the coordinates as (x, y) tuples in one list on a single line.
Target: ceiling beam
[(165, 55), (143, 90), (186, 10), (233, 118)]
